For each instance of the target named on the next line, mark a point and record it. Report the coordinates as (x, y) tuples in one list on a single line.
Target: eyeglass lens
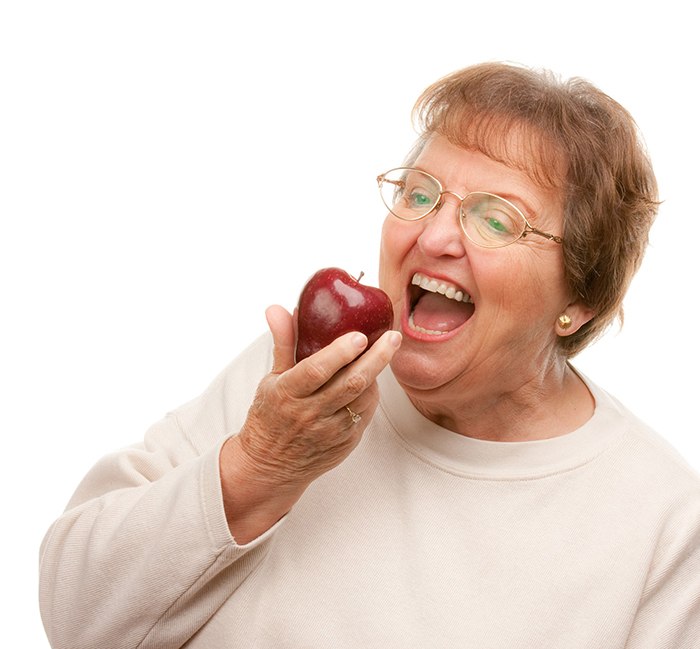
[(487, 219)]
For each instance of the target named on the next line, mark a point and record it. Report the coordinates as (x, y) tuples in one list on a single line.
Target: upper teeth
[(438, 286)]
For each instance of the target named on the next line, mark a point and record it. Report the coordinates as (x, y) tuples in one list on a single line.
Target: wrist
[(254, 497)]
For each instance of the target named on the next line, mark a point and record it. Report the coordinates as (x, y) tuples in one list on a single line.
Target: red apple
[(333, 303)]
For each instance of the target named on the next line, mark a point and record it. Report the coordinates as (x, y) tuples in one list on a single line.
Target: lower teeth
[(420, 329)]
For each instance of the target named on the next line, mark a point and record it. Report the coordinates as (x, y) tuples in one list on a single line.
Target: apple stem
[(362, 274)]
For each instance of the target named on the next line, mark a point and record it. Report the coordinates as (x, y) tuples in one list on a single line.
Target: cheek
[(549, 280), (384, 257), (529, 286), (398, 238)]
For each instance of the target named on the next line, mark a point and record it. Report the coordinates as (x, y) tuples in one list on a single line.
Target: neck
[(549, 403)]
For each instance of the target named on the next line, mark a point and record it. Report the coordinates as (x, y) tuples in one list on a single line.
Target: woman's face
[(506, 330)]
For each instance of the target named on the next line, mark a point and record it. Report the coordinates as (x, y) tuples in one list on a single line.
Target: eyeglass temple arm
[(546, 235), (382, 179)]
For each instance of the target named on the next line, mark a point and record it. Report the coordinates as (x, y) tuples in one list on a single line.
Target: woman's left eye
[(496, 224)]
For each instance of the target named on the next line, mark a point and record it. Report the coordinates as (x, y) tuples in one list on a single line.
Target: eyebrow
[(518, 201)]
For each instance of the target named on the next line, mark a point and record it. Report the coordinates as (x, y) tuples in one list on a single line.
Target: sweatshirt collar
[(501, 460)]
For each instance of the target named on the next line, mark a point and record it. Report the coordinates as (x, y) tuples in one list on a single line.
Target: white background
[(168, 169)]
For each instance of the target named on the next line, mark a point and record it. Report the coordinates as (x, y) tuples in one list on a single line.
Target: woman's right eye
[(418, 198)]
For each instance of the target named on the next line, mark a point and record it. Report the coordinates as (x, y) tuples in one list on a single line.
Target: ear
[(572, 318)]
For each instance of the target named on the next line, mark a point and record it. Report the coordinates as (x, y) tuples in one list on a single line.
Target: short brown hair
[(609, 187)]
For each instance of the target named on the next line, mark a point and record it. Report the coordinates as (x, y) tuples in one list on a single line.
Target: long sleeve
[(142, 556), (668, 616), (421, 537)]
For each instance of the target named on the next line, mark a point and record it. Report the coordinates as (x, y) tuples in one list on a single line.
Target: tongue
[(438, 313)]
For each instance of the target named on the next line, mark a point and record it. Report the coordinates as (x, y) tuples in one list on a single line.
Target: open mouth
[(437, 307)]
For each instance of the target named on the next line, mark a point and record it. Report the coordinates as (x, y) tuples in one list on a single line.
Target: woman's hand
[(299, 426)]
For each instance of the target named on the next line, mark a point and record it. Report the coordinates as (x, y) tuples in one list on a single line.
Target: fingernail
[(395, 338), (359, 340)]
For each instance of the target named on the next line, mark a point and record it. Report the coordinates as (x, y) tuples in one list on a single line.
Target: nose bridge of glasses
[(441, 199), (450, 222), (455, 194)]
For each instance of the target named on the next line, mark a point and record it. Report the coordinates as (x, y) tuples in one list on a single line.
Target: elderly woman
[(459, 484)]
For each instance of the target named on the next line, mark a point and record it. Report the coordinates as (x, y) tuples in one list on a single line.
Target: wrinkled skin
[(298, 426)]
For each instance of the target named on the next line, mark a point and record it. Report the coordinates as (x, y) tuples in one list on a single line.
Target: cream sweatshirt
[(421, 538)]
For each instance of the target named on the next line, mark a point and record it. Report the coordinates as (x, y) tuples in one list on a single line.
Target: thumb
[(281, 325)]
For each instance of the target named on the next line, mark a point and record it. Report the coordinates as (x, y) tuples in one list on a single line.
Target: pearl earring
[(564, 321)]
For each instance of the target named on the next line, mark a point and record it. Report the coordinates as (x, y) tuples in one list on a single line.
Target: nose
[(443, 234)]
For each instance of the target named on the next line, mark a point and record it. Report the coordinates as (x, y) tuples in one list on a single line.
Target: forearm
[(113, 568), (136, 555)]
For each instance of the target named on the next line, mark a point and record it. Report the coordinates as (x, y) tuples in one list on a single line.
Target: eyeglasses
[(487, 220)]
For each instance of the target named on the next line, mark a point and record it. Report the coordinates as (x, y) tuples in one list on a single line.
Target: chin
[(416, 370)]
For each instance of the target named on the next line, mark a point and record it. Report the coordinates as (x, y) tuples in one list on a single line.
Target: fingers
[(357, 381), (338, 371), (315, 371), (362, 406), (304, 420), (378, 356), (282, 328)]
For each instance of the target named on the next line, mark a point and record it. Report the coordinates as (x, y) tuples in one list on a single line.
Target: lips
[(437, 307)]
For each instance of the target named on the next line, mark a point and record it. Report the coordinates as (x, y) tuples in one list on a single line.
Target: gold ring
[(355, 417)]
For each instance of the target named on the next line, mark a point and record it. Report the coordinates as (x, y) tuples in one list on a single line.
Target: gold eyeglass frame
[(527, 228)]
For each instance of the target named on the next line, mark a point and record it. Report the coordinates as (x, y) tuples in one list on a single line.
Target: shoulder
[(220, 410), (652, 486), (646, 456)]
